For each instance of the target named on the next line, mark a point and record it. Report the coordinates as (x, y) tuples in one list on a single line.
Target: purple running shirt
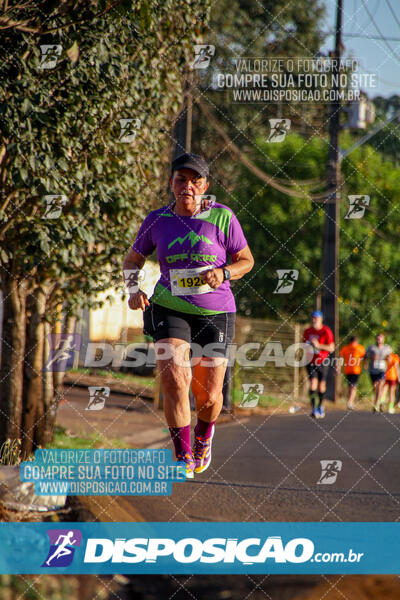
[(206, 239)]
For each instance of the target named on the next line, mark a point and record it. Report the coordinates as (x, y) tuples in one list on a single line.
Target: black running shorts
[(352, 379), (377, 376), (209, 335), (317, 371)]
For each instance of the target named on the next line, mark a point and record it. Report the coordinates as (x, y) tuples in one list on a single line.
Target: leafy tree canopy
[(61, 130), (286, 233)]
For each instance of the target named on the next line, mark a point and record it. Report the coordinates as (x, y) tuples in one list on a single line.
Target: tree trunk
[(32, 416), (52, 400), (48, 387), (13, 347)]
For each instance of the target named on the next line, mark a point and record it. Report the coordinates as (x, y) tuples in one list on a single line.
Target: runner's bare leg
[(175, 374), (207, 382)]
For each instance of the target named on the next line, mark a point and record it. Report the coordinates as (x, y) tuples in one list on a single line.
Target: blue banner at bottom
[(208, 548)]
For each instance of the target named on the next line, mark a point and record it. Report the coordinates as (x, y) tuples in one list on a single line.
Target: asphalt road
[(264, 468), (267, 468)]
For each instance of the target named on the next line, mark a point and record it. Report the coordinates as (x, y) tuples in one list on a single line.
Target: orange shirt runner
[(391, 370), (352, 354)]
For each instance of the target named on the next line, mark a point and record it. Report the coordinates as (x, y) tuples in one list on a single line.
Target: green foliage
[(51, 587), (369, 274), (259, 29), (10, 452), (266, 27), (285, 232), (61, 127), (66, 439), (387, 140)]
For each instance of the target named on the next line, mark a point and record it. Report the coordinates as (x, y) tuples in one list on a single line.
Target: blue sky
[(373, 54)]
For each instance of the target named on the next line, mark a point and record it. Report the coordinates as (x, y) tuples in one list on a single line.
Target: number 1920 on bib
[(185, 282)]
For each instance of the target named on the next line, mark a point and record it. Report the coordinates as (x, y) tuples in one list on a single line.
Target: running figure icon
[(287, 279), (279, 129), (62, 351), (330, 471), (62, 550)]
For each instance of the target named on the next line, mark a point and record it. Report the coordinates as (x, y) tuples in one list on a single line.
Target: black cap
[(191, 161)]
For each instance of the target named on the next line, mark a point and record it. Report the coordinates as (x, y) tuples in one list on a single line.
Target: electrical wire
[(397, 57), (393, 13), (385, 81), (366, 36), (374, 11)]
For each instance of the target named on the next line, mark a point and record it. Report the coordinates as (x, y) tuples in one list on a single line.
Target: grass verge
[(66, 439), (127, 377)]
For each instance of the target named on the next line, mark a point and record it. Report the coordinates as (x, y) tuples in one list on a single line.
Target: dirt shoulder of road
[(134, 388), (129, 418), (121, 386)]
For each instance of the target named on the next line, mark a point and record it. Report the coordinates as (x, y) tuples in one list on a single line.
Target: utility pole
[(330, 289)]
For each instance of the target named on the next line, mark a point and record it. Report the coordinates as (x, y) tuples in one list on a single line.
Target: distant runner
[(192, 303), (392, 378), (320, 337), (376, 356), (352, 354)]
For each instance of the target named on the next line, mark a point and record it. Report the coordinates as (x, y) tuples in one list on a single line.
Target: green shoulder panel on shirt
[(164, 297), (218, 216)]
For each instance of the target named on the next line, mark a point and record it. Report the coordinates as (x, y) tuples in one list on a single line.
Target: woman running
[(192, 307)]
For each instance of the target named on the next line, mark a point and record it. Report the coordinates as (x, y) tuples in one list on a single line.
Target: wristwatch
[(227, 274)]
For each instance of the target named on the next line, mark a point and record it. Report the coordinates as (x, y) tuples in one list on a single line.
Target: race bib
[(379, 365), (185, 282)]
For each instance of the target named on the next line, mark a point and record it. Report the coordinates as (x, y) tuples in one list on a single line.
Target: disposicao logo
[(105, 552), (190, 550), (62, 547)]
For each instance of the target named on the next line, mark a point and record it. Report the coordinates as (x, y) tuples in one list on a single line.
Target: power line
[(363, 27), (393, 13), (397, 57), (385, 81), (368, 37), (355, 11)]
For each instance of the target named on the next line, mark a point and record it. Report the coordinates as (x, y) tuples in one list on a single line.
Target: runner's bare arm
[(131, 267), (367, 357), (242, 263), (329, 347), (134, 259)]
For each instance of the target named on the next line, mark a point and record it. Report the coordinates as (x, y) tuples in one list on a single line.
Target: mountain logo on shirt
[(193, 238)]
